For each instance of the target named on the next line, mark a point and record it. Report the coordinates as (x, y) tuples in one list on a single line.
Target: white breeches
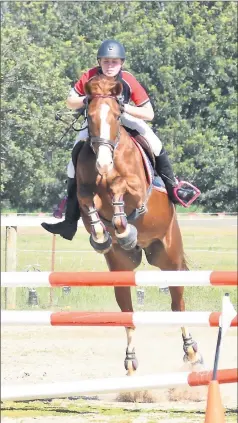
[(82, 135), (131, 122), (143, 128)]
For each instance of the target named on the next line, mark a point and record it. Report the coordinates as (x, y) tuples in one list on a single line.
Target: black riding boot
[(68, 228), (164, 169)]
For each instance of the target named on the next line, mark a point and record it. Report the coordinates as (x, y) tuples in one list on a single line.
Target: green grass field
[(207, 248), (107, 413)]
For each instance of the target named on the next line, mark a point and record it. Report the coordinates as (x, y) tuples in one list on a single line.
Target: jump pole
[(119, 384), (126, 319), (161, 279)]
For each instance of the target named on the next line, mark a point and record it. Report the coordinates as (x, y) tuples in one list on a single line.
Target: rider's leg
[(163, 165), (164, 169), (143, 128), (68, 227)]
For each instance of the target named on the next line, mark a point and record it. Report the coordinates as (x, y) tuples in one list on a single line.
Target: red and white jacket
[(132, 89)]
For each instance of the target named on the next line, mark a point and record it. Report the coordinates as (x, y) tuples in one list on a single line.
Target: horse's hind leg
[(189, 345), (170, 256), (120, 260)]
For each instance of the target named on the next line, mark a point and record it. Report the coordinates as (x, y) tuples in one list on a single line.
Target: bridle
[(98, 140)]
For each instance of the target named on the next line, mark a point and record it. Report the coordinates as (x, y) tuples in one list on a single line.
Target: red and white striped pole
[(126, 319), (139, 278)]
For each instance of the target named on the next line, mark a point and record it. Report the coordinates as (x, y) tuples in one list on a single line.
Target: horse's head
[(103, 119)]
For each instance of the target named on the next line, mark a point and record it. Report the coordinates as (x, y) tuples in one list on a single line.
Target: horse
[(112, 191)]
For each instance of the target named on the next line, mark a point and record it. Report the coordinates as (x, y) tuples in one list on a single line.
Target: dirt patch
[(44, 355)]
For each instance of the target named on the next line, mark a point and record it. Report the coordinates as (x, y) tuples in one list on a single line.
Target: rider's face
[(110, 67)]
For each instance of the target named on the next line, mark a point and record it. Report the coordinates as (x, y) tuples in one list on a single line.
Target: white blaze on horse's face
[(104, 159)]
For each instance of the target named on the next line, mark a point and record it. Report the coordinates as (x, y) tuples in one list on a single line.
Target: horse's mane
[(102, 85)]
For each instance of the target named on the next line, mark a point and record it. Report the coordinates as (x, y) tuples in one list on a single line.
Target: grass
[(115, 413), (206, 248)]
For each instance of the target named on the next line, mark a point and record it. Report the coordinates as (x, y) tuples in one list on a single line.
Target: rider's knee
[(70, 170)]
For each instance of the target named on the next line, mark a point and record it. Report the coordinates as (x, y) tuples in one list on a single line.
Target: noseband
[(98, 140)]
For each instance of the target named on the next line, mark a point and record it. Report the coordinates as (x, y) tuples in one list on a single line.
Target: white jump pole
[(118, 384)]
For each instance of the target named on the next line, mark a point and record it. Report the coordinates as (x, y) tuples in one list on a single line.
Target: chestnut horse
[(112, 188)]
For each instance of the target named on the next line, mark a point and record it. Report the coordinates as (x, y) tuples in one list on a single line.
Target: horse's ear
[(117, 89), (87, 88)]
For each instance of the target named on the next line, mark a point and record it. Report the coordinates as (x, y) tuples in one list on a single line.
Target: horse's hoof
[(101, 247), (130, 362), (190, 348), (189, 344), (130, 240), (197, 359)]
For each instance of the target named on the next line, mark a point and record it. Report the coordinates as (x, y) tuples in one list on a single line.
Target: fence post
[(10, 264), (52, 265)]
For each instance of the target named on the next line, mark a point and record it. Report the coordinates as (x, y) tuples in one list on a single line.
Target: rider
[(111, 56)]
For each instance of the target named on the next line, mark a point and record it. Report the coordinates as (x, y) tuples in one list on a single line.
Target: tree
[(184, 53)]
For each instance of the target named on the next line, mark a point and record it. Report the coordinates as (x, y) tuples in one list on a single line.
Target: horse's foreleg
[(130, 362), (126, 234), (118, 259), (100, 239), (123, 297), (189, 345)]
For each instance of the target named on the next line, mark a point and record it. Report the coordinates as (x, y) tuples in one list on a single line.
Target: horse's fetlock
[(130, 360)]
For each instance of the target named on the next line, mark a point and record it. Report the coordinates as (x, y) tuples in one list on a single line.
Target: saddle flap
[(76, 150), (143, 143)]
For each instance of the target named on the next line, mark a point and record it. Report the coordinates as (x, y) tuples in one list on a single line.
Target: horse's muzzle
[(105, 169), (104, 162)]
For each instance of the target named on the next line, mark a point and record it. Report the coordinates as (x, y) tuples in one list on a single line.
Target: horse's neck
[(129, 158), (125, 139)]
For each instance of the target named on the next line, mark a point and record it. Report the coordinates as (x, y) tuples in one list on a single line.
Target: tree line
[(183, 53)]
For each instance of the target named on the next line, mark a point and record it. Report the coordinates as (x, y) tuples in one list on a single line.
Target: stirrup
[(184, 184)]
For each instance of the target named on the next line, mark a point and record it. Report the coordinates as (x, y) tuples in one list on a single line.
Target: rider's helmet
[(111, 49)]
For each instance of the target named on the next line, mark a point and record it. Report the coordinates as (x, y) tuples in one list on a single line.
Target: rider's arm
[(143, 108), (74, 101), (144, 112), (77, 93)]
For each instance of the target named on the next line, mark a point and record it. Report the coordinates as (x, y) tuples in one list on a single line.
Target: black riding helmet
[(111, 49)]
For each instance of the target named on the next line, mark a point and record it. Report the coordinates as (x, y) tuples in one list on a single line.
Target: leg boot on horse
[(184, 194), (68, 228)]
